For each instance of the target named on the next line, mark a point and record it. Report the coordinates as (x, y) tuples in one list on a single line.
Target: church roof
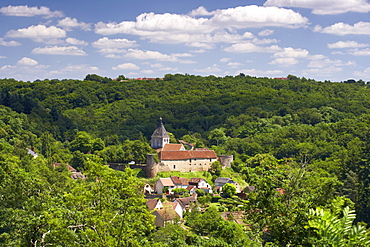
[(160, 131)]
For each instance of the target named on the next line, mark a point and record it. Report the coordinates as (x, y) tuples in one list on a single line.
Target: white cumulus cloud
[(346, 44), (326, 7), (126, 66), (328, 71), (329, 63), (9, 43), (360, 52), (225, 60), (291, 52), (249, 47), (172, 23), (111, 28), (106, 43), (220, 27), (26, 61), (70, 23), (340, 28), (155, 55), (37, 32), (363, 74), (201, 11), (257, 16), (74, 41), (284, 61), (79, 68), (211, 69), (234, 64), (266, 32), (24, 10), (59, 50)]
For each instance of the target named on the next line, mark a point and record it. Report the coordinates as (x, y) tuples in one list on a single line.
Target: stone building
[(160, 136), (174, 157)]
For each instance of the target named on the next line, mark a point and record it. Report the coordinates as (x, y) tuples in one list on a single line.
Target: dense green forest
[(309, 138)]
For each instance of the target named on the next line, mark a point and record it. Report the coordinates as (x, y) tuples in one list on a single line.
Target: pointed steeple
[(160, 136)]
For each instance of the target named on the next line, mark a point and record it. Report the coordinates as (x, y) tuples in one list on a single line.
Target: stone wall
[(186, 165), (226, 160)]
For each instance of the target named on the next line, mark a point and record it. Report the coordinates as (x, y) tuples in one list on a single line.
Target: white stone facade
[(190, 165)]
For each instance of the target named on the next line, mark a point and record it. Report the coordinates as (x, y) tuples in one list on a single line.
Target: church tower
[(160, 136)]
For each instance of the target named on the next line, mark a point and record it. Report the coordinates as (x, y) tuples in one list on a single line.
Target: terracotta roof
[(175, 180), (172, 204), (185, 155), (185, 201), (196, 180), (152, 203), (179, 181), (167, 214), (184, 181), (172, 147), (190, 187), (166, 181)]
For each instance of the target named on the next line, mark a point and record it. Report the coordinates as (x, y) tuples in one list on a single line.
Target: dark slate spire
[(160, 131), (160, 136)]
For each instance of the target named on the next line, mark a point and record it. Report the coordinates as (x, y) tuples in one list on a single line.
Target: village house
[(166, 212), (164, 216), (185, 202), (154, 204), (192, 189), (201, 183), (180, 183), (183, 183), (219, 182), (177, 208), (164, 183)]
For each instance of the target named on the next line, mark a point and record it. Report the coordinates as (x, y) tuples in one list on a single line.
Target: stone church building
[(174, 157)]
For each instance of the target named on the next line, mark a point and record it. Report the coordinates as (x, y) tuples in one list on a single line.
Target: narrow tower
[(160, 136)]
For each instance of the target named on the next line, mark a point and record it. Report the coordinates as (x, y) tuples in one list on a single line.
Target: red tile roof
[(152, 203), (196, 180), (167, 214), (166, 182), (185, 155), (179, 181), (190, 187), (185, 201), (172, 204), (172, 147)]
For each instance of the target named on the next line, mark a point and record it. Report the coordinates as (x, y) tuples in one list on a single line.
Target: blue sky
[(322, 40)]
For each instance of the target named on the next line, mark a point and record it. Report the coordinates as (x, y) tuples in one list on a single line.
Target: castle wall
[(186, 165), (151, 166), (226, 160)]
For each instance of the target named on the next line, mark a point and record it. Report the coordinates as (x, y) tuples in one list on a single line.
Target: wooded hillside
[(310, 138)]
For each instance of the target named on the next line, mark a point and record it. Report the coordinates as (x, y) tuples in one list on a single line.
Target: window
[(174, 166)]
